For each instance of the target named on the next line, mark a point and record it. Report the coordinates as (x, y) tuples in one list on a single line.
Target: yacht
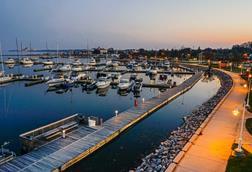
[(77, 68), (76, 76), (116, 78), (90, 86), (77, 63), (102, 83), (65, 68), (48, 62), (125, 84), (152, 71), (133, 76), (108, 63), (115, 64), (92, 62), (57, 80), (138, 86), (26, 61), (103, 74), (9, 61), (3, 78)]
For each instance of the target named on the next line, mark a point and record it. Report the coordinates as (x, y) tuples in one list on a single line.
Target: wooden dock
[(61, 153)]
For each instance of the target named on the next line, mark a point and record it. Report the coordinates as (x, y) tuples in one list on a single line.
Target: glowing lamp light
[(64, 133), (143, 100), (236, 112), (250, 75), (245, 85), (116, 112)]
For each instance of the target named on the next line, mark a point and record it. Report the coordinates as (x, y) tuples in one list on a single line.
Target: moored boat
[(102, 83), (125, 84)]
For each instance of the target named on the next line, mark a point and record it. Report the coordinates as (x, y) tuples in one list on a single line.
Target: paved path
[(211, 150)]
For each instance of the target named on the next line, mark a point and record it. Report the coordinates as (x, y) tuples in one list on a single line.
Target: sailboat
[(3, 77)]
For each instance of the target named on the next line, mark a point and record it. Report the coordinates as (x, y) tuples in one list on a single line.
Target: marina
[(121, 86), (63, 78), (110, 129)]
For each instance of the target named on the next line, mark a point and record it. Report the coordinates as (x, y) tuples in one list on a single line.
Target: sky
[(150, 24)]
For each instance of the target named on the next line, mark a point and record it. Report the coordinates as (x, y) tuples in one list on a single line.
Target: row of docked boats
[(123, 84)]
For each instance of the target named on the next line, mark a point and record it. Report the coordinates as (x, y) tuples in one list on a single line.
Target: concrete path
[(211, 150)]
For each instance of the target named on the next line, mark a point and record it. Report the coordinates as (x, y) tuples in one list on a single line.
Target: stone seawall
[(167, 151)]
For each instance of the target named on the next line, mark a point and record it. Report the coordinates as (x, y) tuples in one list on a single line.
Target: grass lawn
[(240, 164)]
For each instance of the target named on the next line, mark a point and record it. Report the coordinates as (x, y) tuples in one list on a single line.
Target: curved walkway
[(211, 150)]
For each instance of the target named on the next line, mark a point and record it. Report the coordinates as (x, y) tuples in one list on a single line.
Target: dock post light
[(63, 134), (143, 100), (116, 112)]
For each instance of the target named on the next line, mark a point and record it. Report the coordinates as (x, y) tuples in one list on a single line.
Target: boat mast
[(1, 53), (57, 52), (18, 55), (30, 49), (17, 49), (21, 48)]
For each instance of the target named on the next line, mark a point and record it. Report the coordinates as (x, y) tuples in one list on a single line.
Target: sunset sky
[(126, 23)]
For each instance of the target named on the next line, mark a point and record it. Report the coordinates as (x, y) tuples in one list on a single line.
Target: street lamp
[(231, 67), (249, 88), (240, 66), (236, 112)]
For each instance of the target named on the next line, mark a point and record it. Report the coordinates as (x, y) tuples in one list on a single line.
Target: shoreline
[(168, 150)]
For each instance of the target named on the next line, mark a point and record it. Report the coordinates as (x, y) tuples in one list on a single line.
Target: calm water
[(127, 150), (25, 108)]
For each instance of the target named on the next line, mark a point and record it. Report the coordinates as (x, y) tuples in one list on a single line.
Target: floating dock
[(61, 153)]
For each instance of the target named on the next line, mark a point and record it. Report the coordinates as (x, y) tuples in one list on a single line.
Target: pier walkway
[(211, 150), (61, 153)]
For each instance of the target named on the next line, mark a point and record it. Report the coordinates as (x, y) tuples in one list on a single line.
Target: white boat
[(27, 65), (26, 61), (152, 71), (92, 62), (65, 68), (116, 78), (102, 83), (9, 61), (108, 63), (4, 79), (115, 64), (77, 63), (77, 68), (48, 62), (125, 84), (75, 76), (55, 81)]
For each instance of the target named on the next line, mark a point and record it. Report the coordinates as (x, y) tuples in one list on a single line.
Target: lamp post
[(231, 66), (249, 87), (240, 66), (238, 150)]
